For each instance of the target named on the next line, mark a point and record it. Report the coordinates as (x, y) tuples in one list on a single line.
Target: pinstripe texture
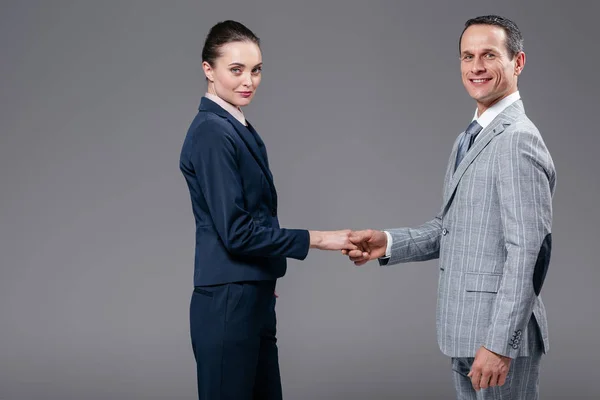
[(522, 381), (496, 212)]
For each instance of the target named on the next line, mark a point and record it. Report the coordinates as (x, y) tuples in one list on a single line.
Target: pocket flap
[(481, 282)]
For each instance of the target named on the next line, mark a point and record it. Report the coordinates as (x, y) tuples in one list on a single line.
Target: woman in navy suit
[(240, 248)]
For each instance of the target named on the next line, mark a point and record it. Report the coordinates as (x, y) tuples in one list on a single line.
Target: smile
[(481, 80)]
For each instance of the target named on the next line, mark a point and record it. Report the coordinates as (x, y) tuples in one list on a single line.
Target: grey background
[(359, 106)]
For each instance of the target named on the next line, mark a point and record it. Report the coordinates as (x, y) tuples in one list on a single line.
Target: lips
[(480, 80), (245, 94)]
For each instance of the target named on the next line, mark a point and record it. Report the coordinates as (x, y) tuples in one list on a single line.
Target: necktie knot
[(473, 129)]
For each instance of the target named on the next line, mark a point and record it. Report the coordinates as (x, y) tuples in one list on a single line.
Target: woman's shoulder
[(209, 123), (212, 130), (210, 120)]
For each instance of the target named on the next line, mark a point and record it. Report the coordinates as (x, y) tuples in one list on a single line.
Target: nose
[(247, 80), (477, 65)]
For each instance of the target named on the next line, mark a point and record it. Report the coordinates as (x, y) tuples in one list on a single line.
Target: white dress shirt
[(230, 108)]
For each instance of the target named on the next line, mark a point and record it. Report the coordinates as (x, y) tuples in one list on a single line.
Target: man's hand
[(371, 243), (333, 240), (489, 369)]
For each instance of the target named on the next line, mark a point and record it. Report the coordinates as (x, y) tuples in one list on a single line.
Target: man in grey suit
[(493, 233)]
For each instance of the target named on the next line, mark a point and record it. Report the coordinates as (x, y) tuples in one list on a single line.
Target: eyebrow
[(486, 50), (243, 65)]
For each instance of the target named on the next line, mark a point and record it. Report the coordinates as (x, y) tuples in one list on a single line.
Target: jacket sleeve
[(213, 157), (525, 181), (415, 244)]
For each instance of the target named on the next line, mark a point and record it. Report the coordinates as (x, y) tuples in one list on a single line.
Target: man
[(493, 233)]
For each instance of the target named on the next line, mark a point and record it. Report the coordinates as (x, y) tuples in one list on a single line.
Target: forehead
[(241, 52), (478, 37)]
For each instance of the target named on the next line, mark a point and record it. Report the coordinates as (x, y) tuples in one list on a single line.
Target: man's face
[(488, 72)]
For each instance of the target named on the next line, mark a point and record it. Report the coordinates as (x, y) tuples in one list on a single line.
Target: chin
[(243, 103), (479, 97)]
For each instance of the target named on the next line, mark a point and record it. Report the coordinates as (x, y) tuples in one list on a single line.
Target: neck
[(211, 90), (482, 107)]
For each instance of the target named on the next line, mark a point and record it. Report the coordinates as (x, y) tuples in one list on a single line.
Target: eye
[(236, 70), (467, 57), (490, 56), (257, 71)]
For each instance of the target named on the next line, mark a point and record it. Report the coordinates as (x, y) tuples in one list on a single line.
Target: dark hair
[(514, 39), (223, 33)]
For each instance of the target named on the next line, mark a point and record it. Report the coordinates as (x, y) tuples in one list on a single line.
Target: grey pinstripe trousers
[(522, 382)]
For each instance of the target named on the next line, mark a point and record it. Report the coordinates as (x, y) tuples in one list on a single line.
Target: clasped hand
[(359, 246)]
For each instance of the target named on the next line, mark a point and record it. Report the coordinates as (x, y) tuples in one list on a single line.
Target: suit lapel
[(450, 169), (488, 134), (261, 147), (252, 142), (496, 127), (258, 140)]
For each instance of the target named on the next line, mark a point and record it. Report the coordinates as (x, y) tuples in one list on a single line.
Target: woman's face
[(236, 73)]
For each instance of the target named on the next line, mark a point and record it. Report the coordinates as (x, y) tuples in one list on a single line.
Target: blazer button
[(444, 231)]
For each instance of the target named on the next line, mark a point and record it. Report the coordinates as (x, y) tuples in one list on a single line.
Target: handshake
[(359, 246)]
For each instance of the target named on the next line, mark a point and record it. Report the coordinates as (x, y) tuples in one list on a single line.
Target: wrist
[(316, 238), (496, 353)]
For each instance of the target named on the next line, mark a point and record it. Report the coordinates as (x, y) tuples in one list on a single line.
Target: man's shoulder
[(521, 135), (524, 125), (518, 124)]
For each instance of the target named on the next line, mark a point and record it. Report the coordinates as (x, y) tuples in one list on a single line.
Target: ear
[(208, 71), (519, 63)]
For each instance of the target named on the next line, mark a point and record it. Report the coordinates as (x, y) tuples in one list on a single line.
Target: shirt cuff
[(388, 250)]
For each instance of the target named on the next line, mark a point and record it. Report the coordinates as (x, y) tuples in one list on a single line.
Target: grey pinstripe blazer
[(493, 239)]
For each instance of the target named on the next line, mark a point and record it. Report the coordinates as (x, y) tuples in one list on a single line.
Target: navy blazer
[(234, 202)]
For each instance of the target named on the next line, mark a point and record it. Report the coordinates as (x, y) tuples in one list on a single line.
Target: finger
[(345, 252), (350, 246), (484, 382), (475, 379), (366, 247), (355, 254), (359, 263), (360, 246), (502, 379), (494, 380), (360, 256)]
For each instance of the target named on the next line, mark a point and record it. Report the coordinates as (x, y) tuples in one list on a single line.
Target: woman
[(240, 248)]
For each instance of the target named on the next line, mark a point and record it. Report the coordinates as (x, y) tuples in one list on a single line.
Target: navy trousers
[(233, 329)]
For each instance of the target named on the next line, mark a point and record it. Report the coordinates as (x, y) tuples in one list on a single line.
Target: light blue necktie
[(465, 143)]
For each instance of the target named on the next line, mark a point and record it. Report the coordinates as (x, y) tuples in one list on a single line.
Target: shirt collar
[(234, 111), (488, 115)]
